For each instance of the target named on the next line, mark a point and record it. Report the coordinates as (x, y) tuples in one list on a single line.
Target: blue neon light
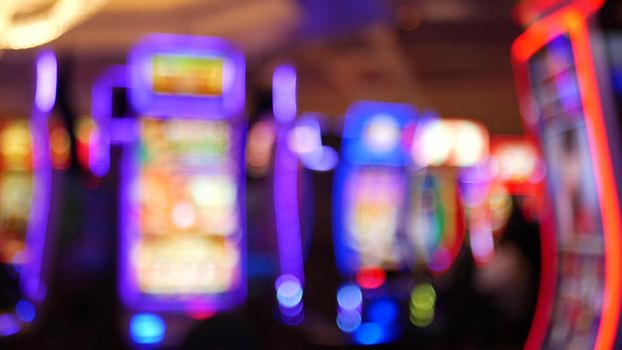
[(360, 116), (383, 311), (25, 311), (349, 297), (370, 333), (9, 325), (147, 328), (348, 320)]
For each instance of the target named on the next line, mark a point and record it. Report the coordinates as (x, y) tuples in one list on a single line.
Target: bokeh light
[(288, 290), (147, 328), (369, 333), (349, 297), (422, 305), (25, 311)]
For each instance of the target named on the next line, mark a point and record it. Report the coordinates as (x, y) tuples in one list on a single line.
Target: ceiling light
[(22, 26)]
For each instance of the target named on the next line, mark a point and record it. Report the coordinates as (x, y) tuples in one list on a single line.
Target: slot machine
[(182, 252), (26, 199), (368, 204), (446, 154), (443, 206), (566, 73)]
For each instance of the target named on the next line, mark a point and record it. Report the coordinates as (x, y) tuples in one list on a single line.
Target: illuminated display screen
[(375, 197), (189, 215), (578, 303), (187, 75), (16, 183), (382, 133), (433, 225)]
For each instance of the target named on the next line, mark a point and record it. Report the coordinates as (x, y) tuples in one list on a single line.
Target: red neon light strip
[(570, 20)]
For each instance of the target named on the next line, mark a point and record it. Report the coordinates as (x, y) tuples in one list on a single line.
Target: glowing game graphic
[(435, 226), (189, 215), (187, 75), (370, 187), (374, 214), (16, 185)]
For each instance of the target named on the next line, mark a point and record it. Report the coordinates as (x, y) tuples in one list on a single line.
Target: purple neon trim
[(230, 103), (32, 280), (45, 94), (127, 291), (347, 259), (101, 109), (284, 93), (321, 158), (123, 131), (286, 168)]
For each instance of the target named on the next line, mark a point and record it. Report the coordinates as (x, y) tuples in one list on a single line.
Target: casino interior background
[(448, 58)]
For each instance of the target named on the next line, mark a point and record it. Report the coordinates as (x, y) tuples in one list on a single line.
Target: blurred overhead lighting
[(29, 23), (408, 18), (446, 10)]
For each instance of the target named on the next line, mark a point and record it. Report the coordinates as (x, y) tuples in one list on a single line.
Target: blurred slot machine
[(368, 202), (566, 68), (182, 254), (29, 151), (444, 202)]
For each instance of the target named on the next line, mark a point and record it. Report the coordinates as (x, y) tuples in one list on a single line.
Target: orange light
[(571, 20), (60, 145)]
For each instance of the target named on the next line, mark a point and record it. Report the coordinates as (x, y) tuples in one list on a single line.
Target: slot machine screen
[(572, 186), (433, 226), (376, 197), (190, 235), (16, 191), (187, 75)]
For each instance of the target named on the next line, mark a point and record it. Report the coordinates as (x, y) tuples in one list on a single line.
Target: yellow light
[(16, 145), (450, 142), (86, 130), (422, 305), (40, 28)]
